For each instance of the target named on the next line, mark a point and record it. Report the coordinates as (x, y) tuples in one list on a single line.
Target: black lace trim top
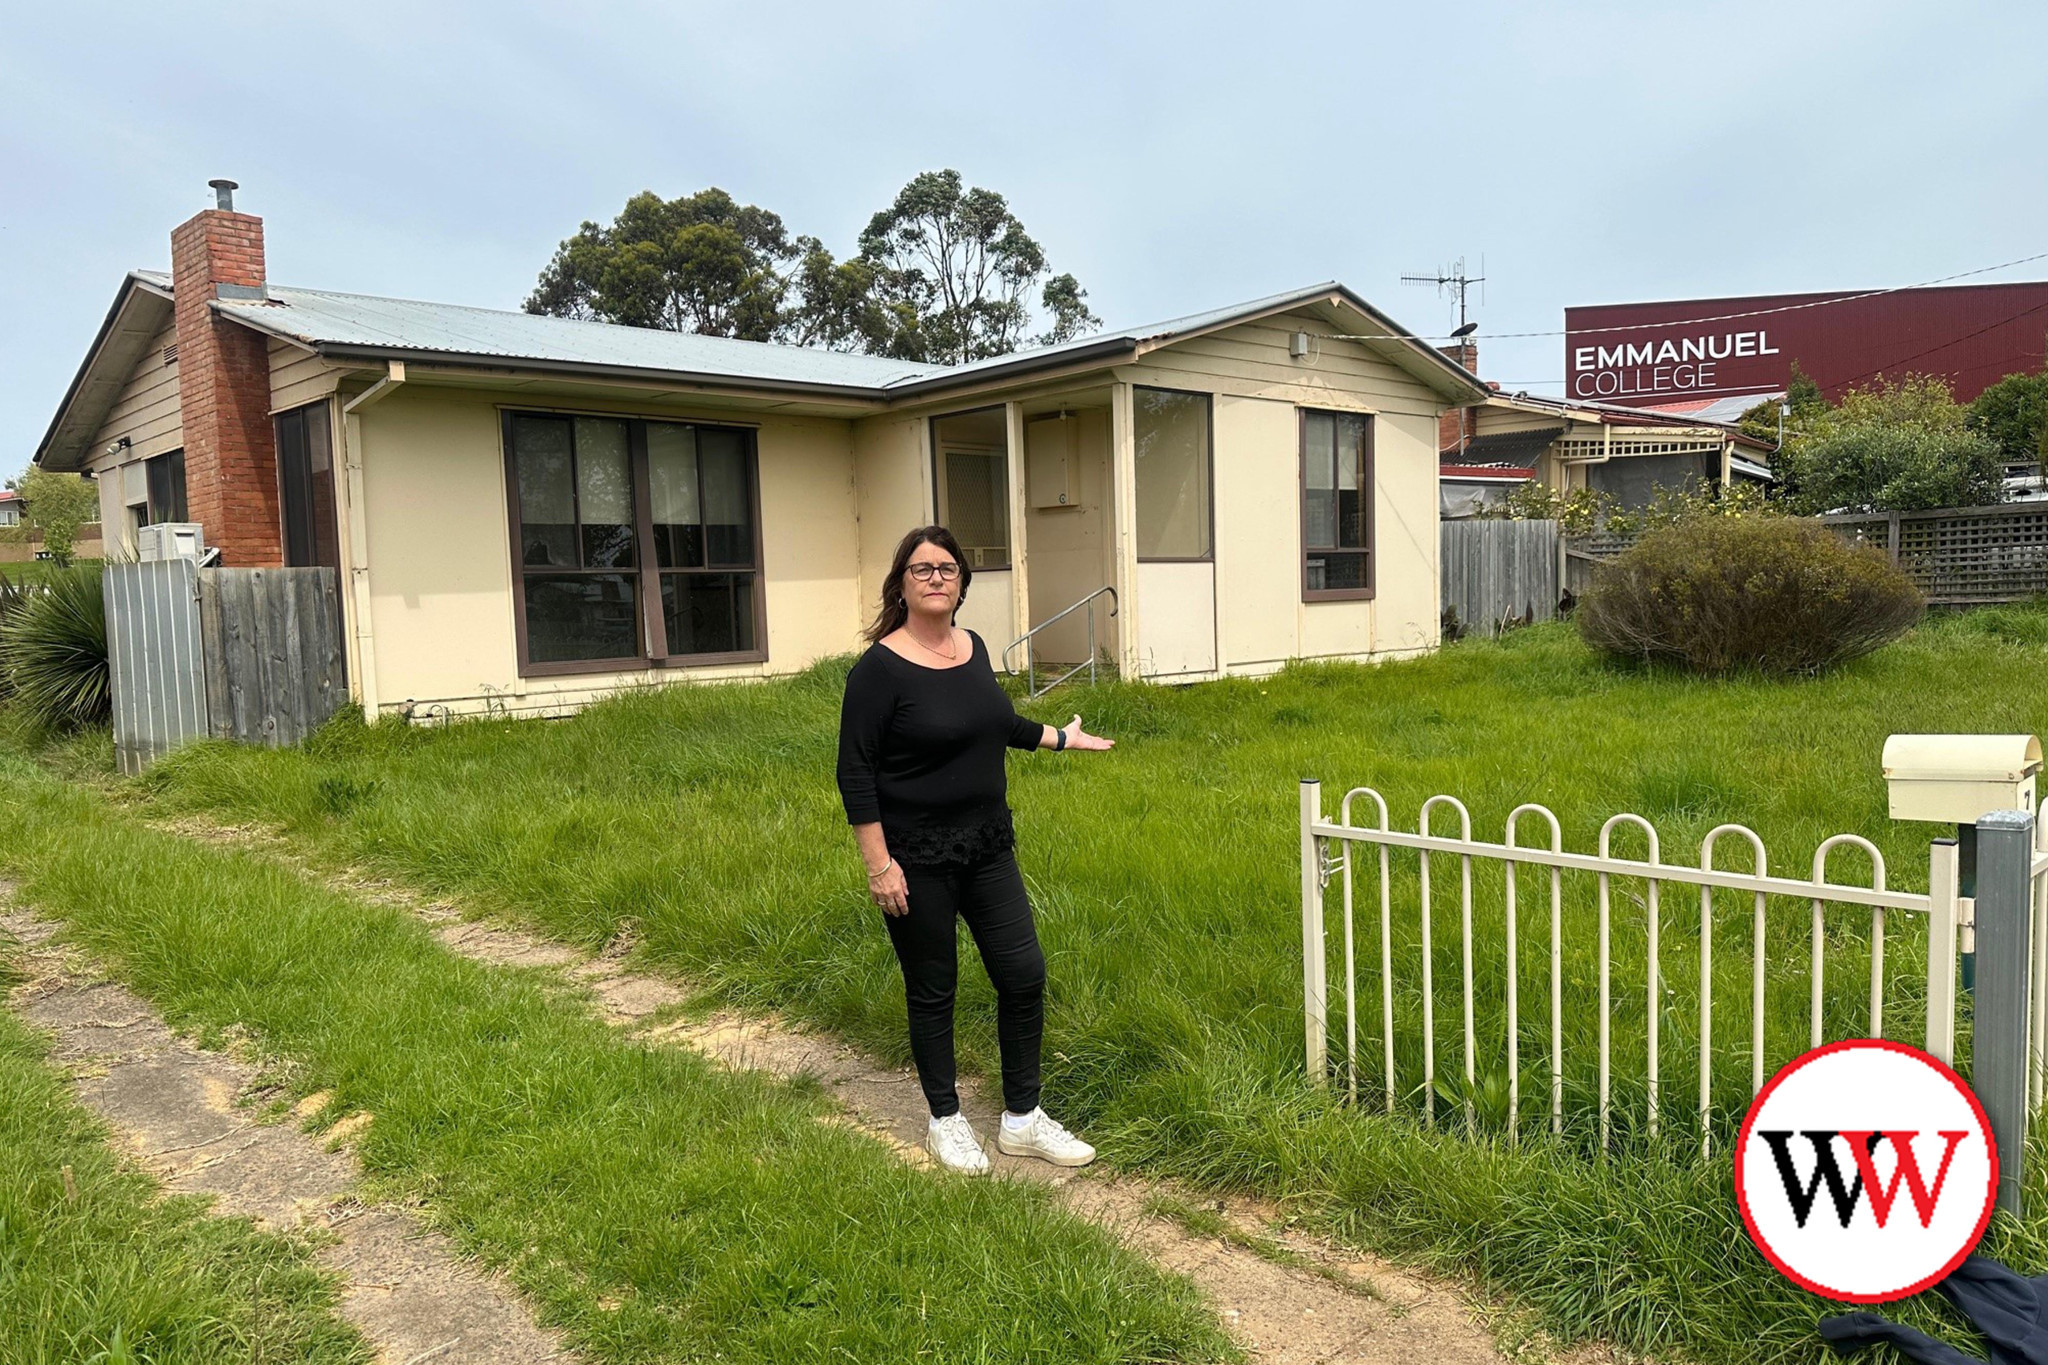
[(952, 845), (921, 751)]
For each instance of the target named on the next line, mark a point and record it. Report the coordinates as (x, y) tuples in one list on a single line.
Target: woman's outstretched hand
[(1077, 738), (890, 891)]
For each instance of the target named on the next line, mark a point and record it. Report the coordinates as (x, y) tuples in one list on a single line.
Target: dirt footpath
[(186, 1115), (1289, 1299)]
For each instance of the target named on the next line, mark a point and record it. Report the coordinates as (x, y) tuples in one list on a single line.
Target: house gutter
[(355, 539)]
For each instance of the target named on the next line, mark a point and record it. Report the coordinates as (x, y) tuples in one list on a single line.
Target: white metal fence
[(1443, 867)]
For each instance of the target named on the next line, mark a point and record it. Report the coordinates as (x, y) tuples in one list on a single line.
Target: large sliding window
[(637, 541), (1336, 506), (305, 486), (1174, 475), (970, 454)]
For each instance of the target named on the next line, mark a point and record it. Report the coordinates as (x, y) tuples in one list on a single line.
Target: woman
[(921, 740)]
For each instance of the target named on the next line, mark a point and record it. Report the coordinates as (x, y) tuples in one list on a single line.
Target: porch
[(1058, 496)]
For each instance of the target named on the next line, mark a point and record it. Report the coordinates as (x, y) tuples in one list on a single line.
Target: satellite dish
[(1467, 330)]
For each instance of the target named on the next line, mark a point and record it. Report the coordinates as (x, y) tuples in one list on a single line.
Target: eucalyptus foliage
[(946, 273)]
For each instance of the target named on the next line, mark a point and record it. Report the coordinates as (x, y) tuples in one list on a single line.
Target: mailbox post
[(1958, 779)]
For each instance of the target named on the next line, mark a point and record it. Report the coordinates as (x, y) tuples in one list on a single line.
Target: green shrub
[(53, 651), (1769, 594)]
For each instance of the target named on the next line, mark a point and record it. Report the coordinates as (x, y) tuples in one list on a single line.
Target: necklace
[(951, 657)]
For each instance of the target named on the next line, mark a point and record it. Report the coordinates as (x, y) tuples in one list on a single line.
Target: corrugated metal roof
[(335, 322), (326, 320), (1508, 447)]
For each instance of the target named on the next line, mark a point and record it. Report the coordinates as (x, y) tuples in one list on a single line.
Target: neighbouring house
[(529, 512), (1627, 453), (26, 543)]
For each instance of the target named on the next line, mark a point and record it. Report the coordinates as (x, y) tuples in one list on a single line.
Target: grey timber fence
[(1962, 555), (247, 654), (1500, 573)]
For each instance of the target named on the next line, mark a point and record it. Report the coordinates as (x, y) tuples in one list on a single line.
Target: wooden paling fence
[(1498, 573), (248, 654)]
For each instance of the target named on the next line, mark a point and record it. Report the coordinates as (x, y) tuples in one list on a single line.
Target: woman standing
[(921, 740)]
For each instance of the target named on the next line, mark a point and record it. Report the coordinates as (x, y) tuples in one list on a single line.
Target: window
[(1173, 474), (164, 478), (1336, 506), (970, 452), (305, 486), (614, 515)]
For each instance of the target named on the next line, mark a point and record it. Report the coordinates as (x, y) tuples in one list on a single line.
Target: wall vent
[(171, 354)]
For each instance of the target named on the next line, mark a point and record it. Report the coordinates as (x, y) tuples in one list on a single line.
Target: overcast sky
[(1174, 157)]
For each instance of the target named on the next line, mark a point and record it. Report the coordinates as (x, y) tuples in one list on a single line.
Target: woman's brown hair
[(895, 611)]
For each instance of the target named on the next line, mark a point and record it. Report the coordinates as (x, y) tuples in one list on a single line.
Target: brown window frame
[(321, 547), (1209, 399), (169, 469), (645, 570), (939, 482), (1368, 507)]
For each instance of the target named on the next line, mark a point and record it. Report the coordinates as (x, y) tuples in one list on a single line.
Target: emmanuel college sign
[(1652, 353), (1635, 369)]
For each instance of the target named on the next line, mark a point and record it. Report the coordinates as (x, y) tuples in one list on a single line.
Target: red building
[(1702, 354)]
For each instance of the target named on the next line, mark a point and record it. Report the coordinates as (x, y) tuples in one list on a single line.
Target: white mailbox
[(1956, 779)]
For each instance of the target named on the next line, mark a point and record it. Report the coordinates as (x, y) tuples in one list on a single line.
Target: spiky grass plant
[(53, 650)]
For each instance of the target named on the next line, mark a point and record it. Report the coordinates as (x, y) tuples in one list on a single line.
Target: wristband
[(1060, 742)]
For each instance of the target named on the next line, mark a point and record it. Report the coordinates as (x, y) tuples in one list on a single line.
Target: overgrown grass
[(655, 1206), (1165, 875), (95, 1259)]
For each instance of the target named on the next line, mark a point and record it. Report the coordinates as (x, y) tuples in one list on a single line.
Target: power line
[(1889, 364), (1722, 317)]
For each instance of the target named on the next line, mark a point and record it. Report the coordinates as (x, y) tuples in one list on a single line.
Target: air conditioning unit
[(169, 540)]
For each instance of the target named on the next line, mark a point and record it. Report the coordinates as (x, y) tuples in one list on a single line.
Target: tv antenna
[(1459, 283)]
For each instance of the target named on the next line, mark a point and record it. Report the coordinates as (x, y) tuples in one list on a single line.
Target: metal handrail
[(1031, 651)]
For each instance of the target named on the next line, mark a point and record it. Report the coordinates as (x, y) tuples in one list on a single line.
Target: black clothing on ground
[(2011, 1312), (921, 751), (989, 895)]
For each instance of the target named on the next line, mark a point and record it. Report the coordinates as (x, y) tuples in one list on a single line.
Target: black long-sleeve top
[(921, 750)]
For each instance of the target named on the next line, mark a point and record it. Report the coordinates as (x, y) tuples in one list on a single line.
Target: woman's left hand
[(1077, 738)]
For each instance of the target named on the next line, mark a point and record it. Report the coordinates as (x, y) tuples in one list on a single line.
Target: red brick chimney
[(224, 385), (1456, 426)]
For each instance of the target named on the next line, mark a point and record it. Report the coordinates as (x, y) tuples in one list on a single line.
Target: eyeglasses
[(945, 573)]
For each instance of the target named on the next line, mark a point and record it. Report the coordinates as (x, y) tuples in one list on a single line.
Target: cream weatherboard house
[(528, 512)]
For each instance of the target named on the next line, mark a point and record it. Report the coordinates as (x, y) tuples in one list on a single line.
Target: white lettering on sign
[(1632, 368)]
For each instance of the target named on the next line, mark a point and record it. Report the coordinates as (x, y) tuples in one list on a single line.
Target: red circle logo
[(1866, 1171)]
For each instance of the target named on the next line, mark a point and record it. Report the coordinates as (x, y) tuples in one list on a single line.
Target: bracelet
[(1060, 742), (880, 870)]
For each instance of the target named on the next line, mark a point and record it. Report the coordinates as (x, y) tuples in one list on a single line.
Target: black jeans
[(989, 895)]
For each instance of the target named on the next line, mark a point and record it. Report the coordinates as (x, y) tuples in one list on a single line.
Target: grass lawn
[(1166, 880), (94, 1259), (32, 570), (655, 1206)]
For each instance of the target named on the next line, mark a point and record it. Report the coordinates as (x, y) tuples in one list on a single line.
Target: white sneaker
[(1042, 1136), (952, 1140)]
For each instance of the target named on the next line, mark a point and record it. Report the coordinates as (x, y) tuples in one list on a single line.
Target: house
[(1630, 454), (10, 507), (529, 512)]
